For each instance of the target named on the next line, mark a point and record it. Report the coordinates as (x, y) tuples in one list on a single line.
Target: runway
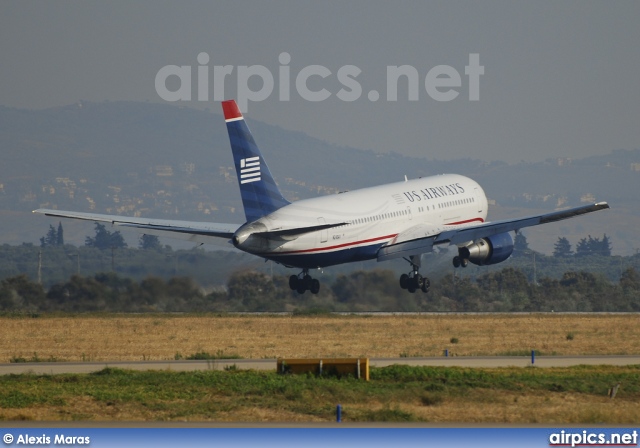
[(54, 368)]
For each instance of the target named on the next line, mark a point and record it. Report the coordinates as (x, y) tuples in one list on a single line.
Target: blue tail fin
[(260, 194)]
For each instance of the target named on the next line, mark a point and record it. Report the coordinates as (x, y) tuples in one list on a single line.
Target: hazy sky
[(560, 78)]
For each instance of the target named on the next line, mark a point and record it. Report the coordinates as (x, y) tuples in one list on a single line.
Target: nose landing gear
[(304, 282), (413, 281)]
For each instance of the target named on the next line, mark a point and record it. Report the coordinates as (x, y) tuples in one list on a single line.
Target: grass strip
[(395, 393)]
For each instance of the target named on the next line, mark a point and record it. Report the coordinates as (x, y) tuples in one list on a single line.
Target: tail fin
[(260, 194)]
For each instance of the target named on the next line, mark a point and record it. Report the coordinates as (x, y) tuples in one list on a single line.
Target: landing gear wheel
[(304, 282), (464, 263), (404, 281), (456, 262), (293, 282), (425, 285), (413, 281)]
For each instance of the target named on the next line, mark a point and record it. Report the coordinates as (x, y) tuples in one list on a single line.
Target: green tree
[(152, 289), (594, 246), (78, 294), (53, 237), (457, 293), (149, 242), (630, 280), (583, 248), (105, 239), (182, 294), (366, 290), (20, 293), (604, 247), (252, 289), (508, 279), (520, 245), (60, 235), (581, 281), (50, 238), (562, 248)]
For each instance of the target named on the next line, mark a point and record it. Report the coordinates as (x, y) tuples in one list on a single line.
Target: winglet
[(231, 111)]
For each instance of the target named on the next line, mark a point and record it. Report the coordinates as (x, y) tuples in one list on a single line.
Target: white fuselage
[(369, 218)]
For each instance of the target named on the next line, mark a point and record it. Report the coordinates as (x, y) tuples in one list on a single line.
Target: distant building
[(587, 198), (163, 170)]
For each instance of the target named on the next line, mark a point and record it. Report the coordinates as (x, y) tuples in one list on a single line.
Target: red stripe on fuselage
[(464, 222), (318, 249)]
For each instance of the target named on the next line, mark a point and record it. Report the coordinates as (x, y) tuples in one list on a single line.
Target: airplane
[(404, 219)]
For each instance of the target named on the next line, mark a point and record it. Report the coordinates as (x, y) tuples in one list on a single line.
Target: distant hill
[(167, 161)]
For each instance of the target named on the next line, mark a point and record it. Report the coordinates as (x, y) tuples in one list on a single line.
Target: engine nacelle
[(491, 250), (248, 239)]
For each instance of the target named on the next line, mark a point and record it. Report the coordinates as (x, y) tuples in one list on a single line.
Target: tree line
[(101, 276), (506, 290), (563, 249), (104, 239)]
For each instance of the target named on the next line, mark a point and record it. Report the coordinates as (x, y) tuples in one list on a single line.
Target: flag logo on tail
[(249, 170)]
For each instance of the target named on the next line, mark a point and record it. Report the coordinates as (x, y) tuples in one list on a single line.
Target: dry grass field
[(163, 337), (454, 395)]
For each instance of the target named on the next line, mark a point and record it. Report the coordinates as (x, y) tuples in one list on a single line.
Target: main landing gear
[(304, 282), (413, 280), (459, 261)]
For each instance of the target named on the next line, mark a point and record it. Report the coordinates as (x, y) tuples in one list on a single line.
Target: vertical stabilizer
[(260, 194)]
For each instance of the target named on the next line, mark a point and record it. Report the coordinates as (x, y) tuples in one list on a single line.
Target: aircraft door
[(324, 234), (479, 201)]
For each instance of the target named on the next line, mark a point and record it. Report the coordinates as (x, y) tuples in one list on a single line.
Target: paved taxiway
[(52, 368)]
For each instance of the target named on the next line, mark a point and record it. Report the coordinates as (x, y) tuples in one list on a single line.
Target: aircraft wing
[(201, 232), (408, 243)]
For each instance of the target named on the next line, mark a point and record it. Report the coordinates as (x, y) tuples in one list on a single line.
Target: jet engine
[(490, 250), (248, 238)]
